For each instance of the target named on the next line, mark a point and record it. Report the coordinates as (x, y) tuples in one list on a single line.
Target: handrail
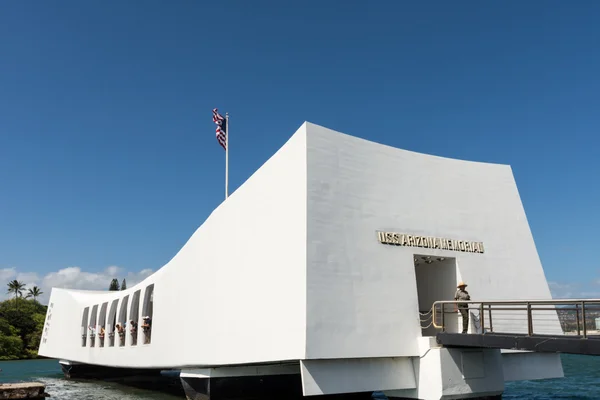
[(562, 301), (486, 309)]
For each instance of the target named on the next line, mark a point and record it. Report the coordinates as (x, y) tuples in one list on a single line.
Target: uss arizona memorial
[(312, 278)]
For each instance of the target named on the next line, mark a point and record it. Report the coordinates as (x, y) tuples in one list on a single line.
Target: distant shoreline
[(28, 359)]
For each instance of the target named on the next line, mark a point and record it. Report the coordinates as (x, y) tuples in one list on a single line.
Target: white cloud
[(7, 274), (71, 278), (563, 290), (574, 290), (590, 295)]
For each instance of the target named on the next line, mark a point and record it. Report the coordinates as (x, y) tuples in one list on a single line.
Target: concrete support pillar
[(243, 387), (196, 388), (281, 381), (73, 370), (456, 374)]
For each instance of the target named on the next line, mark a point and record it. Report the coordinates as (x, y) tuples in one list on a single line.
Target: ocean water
[(581, 382), (59, 388)]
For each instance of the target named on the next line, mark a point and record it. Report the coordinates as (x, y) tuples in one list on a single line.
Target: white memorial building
[(312, 276)]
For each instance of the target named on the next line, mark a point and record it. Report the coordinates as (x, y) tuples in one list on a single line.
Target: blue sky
[(108, 157)]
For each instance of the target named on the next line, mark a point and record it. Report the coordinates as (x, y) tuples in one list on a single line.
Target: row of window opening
[(114, 326)]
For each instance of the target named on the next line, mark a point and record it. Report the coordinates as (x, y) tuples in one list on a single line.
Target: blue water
[(581, 382), (59, 388)]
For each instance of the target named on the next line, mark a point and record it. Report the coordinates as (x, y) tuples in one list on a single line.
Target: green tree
[(6, 328), (114, 285), (123, 285), (17, 288), (10, 347), (31, 343), (34, 292), (21, 330)]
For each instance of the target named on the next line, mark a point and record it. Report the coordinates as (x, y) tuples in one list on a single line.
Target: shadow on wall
[(436, 279), (147, 313), (134, 316), (112, 322), (84, 324), (122, 321), (102, 323)]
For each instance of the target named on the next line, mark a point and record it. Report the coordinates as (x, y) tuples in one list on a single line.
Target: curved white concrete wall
[(290, 268), (235, 292), (357, 187)]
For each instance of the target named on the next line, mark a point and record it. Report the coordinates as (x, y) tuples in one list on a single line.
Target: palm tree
[(35, 292), (17, 288)]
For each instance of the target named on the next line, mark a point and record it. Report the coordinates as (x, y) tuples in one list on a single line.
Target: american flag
[(221, 128)]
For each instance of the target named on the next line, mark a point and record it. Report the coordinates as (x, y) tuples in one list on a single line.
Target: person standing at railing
[(463, 295)]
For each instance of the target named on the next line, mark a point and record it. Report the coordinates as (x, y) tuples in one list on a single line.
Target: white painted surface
[(228, 372), (531, 366), (443, 373), (235, 292), (321, 377), (357, 187), (468, 372), (428, 372), (289, 266)]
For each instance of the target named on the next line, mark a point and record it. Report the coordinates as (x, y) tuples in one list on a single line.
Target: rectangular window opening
[(93, 325), (84, 325), (112, 322), (436, 281), (147, 313), (102, 324), (134, 317), (122, 323)]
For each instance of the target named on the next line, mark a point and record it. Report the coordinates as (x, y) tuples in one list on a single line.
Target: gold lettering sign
[(429, 242)]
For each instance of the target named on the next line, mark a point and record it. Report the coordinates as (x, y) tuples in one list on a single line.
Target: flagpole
[(227, 155)]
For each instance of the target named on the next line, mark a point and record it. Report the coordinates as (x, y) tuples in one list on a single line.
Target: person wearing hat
[(146, 327), (463, 295)]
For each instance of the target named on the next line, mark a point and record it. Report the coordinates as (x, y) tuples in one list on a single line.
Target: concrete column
[(454, 373), (243, 387)]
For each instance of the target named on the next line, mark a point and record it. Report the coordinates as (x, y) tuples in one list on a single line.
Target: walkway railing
[(530, 317)]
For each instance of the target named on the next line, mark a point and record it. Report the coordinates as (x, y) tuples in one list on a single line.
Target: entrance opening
[(93, 325), (436, 280), (134, 316), (112, 321), (147, 313), (102, 323), (122, 319), (84, 325)]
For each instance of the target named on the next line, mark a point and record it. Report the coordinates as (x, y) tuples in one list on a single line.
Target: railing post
[(482, 318), (490, 317), (583, 316), (443, 317), (578, 321), (529, 320)]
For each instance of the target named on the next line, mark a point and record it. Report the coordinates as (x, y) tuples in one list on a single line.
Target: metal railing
[(426, 318), (531, 317)]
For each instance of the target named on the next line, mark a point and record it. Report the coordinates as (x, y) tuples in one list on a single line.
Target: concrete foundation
[(255, 388), (88, 371), (243, 387), (26, 390), (453, 374)]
